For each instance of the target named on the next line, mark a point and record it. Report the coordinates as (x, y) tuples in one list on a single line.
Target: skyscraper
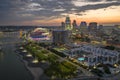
[(62, 26), (83, 27), (68, 23), (74, 24), (83, 24), (60, 36), (92, 26)]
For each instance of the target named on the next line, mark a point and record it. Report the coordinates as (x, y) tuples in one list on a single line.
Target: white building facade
[(98, 55)]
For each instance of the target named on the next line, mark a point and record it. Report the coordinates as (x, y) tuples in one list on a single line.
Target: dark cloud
[(96, 6), (93, 0), (99, 0), (28, 10), (112, 0)]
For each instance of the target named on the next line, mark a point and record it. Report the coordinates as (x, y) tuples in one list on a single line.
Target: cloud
[(96, 6), (91, 2), (29, 10)]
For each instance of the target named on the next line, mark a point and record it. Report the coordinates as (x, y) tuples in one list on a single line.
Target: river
[(11, 68)]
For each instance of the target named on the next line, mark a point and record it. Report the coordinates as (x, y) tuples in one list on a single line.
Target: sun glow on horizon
[(101, 16)]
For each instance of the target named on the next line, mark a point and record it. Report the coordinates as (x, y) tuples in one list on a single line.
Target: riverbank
[(37, 72)]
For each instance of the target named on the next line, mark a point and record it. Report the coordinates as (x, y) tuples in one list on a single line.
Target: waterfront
[(14, 66), (11, 68)]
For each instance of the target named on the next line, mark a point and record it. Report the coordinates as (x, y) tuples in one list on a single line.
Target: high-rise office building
[(68, 23), (83, 24), (60, 36), (62, 26), (92, 26), (74, 24), (83, 27)]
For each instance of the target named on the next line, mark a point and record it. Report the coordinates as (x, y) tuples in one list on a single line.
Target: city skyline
[(53, 12)]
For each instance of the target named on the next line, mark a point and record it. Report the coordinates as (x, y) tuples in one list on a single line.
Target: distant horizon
[(107, 24)]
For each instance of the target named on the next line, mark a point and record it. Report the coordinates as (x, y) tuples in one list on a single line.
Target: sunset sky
[(53, 12)]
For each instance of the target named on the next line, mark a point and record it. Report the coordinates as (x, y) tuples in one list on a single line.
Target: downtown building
[(68, 23), (62, 25), (60, 37), (74, 24), (92, 26), (83, 27), (93, 55)]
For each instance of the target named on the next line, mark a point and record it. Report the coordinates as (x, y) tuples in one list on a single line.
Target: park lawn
[(57, 69)]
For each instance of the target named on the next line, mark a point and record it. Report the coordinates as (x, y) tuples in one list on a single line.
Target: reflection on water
[(1, 55), (11, 68)]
